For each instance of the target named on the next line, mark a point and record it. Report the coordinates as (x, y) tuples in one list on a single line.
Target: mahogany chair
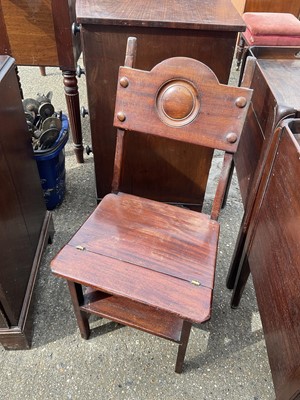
[(143, 263)]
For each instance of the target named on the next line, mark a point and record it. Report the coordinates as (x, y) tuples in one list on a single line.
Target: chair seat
[(129, 247), (271, 29)]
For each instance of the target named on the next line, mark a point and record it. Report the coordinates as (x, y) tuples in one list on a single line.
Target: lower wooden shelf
[(131, 313)]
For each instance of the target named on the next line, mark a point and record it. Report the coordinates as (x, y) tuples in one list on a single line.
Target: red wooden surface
[(217, 113), (275, 262), (134, 314), (190, 14), (154, 258), (275, 97), (163, 284), (24, 220)]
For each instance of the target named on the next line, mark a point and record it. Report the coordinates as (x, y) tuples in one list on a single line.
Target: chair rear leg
[(228, 184), (185, 334), (82, 317)]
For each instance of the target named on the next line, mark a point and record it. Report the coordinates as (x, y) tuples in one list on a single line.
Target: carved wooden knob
[(178, 102), (231, 137), (124, 82), (121, 116), (241, 102)]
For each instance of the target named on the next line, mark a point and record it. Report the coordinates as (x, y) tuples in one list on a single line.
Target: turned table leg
[(72, 99)]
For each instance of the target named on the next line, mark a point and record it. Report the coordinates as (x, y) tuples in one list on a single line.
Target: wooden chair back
[(179, 99)]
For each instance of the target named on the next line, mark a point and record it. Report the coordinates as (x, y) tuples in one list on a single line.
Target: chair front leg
[(185, 334), (82, 317)]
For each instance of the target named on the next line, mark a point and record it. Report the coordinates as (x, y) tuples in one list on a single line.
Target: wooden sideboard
[(281, 6), (203, 30), (25, 223), (38, 32)]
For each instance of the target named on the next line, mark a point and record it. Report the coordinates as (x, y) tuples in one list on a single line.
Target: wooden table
[(38, 32), (274, 76), (197, 29), (25, 222)]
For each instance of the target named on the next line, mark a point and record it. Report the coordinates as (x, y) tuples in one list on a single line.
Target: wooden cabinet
[(25, 223), (282, 6), (38, 32), (203, 30)]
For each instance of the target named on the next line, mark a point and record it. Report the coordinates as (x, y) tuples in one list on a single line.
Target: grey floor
[(226, 357)]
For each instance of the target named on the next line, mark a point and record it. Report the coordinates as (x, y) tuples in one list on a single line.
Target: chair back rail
[(179, 99)]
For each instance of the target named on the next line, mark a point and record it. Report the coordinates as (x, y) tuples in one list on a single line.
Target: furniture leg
[(82, 317), (185, 334), (43, 71), (240, 51), (19, 82), (241, 280), (51, 231), (72, 99), (236, 258), (228, 184)]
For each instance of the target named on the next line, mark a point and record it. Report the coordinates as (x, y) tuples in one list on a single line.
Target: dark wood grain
[(4, 43), (17, 167), (30, 30), (139, 284), (104, 49), (284, 90), (25, 224), (125, 226), (68, 45), (275, 264), (275, 97), (280, 6), (209, 128), (137, 315), (39, 33), (151, 264), (192, 14)]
